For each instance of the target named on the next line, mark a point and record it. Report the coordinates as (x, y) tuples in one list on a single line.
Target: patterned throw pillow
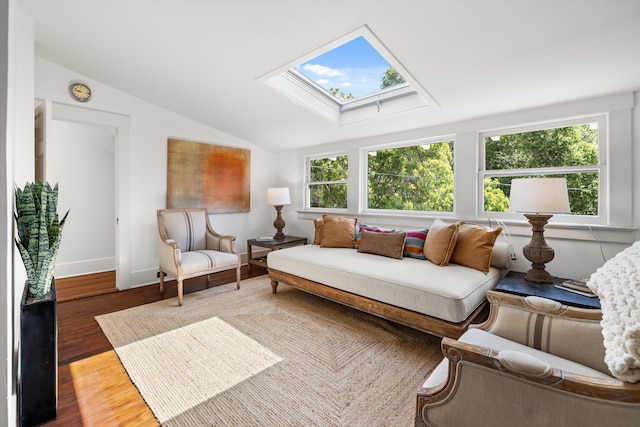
[(414, 243), (371, 229)]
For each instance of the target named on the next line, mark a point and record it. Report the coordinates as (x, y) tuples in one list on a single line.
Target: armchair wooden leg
[(179, 292), (161, 281), (238, 277)]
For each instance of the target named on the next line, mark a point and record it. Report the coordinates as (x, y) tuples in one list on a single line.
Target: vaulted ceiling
[(206, 60)]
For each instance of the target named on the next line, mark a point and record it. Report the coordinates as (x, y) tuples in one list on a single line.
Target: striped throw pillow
[(414, 243)]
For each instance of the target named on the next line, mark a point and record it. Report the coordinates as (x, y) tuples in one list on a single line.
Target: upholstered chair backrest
[(187, 227), (544, 325)]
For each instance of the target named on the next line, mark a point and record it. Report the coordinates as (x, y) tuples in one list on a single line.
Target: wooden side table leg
[(249, 265)]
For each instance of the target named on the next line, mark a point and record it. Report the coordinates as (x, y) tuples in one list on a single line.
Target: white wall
[(579, 249), (18, 149), (89, 195), (150, 127), (7, 53)]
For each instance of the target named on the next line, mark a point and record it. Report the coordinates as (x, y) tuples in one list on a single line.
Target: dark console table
[(514, 283)]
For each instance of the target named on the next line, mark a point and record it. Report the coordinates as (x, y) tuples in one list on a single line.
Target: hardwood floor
[(93, 387), (72, 288)]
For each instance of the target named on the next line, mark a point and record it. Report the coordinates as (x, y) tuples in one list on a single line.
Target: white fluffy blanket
[(617, 283)]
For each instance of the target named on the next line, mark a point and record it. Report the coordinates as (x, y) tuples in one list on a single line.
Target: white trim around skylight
[(399, 99)]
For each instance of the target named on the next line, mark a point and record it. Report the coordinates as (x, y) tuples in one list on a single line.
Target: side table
[(514, 283), (273, 245)]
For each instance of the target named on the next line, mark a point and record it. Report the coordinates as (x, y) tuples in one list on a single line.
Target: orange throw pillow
[(338, 232), (319, 227), (474, 246), (440, 242)]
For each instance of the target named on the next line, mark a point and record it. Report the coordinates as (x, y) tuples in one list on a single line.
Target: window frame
[(364, 175), (387, 94), (601, 169), (308, 183)]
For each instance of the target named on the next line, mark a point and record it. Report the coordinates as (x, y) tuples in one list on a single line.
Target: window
[(416, 177), (327, 182), (570, 149)]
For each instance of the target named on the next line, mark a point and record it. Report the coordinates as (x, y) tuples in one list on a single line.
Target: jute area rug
[(247, 357)]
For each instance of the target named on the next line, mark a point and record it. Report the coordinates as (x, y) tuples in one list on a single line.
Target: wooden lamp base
[(279, 224), (538, 251)]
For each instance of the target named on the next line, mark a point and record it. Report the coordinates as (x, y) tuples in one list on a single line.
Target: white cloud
[(356, 81), (321, 70)]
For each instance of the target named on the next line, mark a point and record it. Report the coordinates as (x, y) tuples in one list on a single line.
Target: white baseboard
[(78, 268)]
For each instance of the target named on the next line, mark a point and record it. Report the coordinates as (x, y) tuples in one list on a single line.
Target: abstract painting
[(208, 176)]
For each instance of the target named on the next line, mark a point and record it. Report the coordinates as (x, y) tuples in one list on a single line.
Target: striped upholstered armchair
[(534, 362), (189, 247)]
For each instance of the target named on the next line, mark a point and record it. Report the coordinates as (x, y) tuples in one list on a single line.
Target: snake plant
[(39, 235)]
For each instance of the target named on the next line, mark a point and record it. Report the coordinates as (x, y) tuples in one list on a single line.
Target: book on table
[(264, 238), (580, 285), (587, 292)]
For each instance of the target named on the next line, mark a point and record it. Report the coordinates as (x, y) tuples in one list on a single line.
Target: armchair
[(189, 247), (533, 362)]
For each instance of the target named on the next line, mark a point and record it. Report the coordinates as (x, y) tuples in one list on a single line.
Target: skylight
[(350, 80), (350, 71)]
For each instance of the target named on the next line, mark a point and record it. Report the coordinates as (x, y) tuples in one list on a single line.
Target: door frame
[(121, 124)]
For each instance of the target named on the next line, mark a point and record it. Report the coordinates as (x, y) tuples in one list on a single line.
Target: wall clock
[(80, 92)]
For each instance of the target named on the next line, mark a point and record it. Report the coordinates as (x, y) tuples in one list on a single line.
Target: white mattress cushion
[(449, 293)]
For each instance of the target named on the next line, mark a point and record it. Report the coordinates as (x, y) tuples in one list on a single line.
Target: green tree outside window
[(327, 182), (413, 178), (559, 147)]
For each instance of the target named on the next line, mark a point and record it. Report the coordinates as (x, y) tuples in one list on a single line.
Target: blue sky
[(355, 67)]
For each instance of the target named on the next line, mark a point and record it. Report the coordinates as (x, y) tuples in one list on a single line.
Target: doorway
[(84, 152), (80, 157)]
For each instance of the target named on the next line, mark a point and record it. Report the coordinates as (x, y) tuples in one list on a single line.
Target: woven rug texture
[(247, 357)]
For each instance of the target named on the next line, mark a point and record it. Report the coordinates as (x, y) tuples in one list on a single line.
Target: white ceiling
[(204, 59)]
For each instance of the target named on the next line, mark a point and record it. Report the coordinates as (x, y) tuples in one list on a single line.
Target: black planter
[(38, 355)]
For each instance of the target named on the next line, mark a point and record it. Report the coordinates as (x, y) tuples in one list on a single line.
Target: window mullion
[(542, 171), (342, 181)]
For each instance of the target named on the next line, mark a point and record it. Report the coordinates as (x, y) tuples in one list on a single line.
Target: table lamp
[(539, 199), (278, 197)]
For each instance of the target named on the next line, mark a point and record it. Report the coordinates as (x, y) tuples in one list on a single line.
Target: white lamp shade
[(278, 196), (539, 195)]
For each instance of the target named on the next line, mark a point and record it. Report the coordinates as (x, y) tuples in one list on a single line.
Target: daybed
[(404, 285)]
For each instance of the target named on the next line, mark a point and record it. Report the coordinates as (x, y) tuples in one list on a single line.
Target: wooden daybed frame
[(422, 322)]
